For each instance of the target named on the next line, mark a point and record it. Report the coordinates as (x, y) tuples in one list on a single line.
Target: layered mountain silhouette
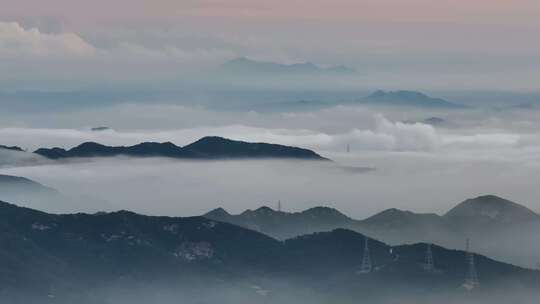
[(16, 184), (123, 257), (408, 98), (20, 189), (283, 225), (485, 219), (211, 147), (244, 67), (12, 148), (35, 195), (377, 98)]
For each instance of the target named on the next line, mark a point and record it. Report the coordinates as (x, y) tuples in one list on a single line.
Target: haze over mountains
[(123, 257), (378, 99), (245, 67), (32, 194), (486, 219), (409, 98)]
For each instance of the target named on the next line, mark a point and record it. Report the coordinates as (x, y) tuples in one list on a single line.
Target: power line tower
[(279, 206), (471, 280), (366, 259), (429, 264)]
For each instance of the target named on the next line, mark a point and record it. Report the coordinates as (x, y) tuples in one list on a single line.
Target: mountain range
[(35, 195), (408, 98), (11, 148), (123, 257), (378, 98), (211, 147), (486, 219), (244, 67)]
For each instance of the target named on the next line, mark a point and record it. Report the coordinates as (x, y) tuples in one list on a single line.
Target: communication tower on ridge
[(471, 280), (366, 259), (429, 264)]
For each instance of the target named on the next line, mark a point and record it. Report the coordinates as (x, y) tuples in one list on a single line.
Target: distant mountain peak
[(326, 212), (404, 94), (89, 145), (492, 208), (394, 214), (218, 212), (408, 98), (12, 148), (211, 140), (250, 66), (263, 211)]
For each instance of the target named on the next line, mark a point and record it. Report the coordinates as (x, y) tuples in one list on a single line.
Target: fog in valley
[(417, 166)]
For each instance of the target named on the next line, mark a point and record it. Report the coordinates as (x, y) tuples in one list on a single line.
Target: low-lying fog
[(419, 167)]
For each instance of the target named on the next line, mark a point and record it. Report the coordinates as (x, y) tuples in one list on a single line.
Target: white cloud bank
[(16, 41), (36, 60), (426, 168)]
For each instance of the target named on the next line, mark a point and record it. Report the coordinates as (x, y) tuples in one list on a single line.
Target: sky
[(420, 44)]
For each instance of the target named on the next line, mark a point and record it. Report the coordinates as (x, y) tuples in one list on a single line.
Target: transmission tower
[(429, 265), (366, 259), (279, 206), (471, 280)]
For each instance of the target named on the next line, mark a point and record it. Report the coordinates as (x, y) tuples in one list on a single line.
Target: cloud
[(326, 131), (17, 41), (423, 165), (66, 61), (375, 132)]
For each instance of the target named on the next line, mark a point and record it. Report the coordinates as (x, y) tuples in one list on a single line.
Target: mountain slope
[(401, 227), (489, 211), (392, 225), (205, 148), (29, 192), (491, 222), (32, 194), (283, 225), (123, 257)]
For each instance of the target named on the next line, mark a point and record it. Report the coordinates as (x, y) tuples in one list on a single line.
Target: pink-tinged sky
[(473, 43), (473, 11)]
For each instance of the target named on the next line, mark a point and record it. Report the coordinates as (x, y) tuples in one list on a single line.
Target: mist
[(418, 167)]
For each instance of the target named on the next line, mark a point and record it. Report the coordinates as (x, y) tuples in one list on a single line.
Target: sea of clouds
[(418, 166)]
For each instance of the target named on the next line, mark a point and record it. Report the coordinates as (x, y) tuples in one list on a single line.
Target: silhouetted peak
[(89, 145), (394, 215), (212, 140), (262, 211), (210, 147), (12, 148), (402, 94), (324, 212), (218, 212), (492, 207), (409, 98)]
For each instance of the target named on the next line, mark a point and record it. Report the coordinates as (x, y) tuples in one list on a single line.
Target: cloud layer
[(420, 167)]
